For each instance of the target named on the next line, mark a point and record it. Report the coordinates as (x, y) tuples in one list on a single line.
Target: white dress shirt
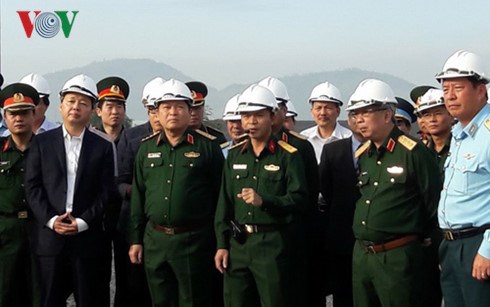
[(317, 141)]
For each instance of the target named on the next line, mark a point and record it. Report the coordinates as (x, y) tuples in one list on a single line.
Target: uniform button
[(152, 165), (168, 181), (1, 171), (375, 183), (171, 165), (191, 165), (22, 185), (463, 168), (360, 182), (363, 223), (22, 170), (165, 216), (368, 201), (392, 180), (256, 160), (237, 176), (254, 177), (166, 198), (24, 201), (379, 162), (249, 213)]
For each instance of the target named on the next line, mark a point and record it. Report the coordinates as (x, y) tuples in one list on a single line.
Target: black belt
[(252, 228), (174, 230), (19, 214), (457, 234)]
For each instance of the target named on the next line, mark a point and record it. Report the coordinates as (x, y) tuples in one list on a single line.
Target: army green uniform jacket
[(400, 185)]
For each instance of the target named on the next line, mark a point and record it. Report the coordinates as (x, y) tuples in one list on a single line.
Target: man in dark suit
[(69, 178), (338, 185)]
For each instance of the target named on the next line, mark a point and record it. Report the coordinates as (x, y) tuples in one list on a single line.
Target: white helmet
[(81, 84), (371, 92), (277, 88), (148, 89), (171, 90), (432, 98), (326, 92), (256, 98), (291, 110), (39, 83), (230, 109), (463, 64)]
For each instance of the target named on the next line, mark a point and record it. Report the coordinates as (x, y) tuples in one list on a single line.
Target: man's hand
[(65, 224), (250, 197), (136, 253), (221, 260), (481, 268)]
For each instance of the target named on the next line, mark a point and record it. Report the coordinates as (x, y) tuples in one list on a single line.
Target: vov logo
[(47, 24)]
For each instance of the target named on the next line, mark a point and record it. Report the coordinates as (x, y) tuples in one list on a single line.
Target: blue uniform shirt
[(465, 198)]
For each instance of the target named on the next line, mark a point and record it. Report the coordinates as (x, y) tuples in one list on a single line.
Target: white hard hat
[(291, 110), (463, 64), (277, 88), (81, 84), (256, 98), (326, 92), (371, 92), (231, 109), (38, 82), (147, 90), (432, 98), (171, 90)]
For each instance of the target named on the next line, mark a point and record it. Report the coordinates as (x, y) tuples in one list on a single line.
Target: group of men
[(270, 217)]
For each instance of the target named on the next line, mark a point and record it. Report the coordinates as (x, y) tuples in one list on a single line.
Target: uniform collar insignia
[(285, 137), (192, 154), (272, 168), (6, 146), (473, 129), (390, 145), (271, 146), (190, 138)]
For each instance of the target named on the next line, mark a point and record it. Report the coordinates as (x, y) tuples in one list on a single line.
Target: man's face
[(19, 122), (76, 109), (290, 123), (280, 115), (438, 120), (197, 116), (174, 115), (403, 125), (462, 98), (153, 118), (112, 113), (325, 113), (234, 128), (40, 111), (372, 122), (259, 123)]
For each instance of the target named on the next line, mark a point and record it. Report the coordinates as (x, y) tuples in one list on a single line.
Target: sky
[(235, 41)]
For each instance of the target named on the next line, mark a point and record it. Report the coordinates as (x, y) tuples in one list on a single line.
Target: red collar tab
[(190, 138), (285, 137), (272, 146), (5, 146), (391, 145)]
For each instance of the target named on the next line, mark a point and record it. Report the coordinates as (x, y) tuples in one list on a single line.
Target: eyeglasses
[(364, 113)]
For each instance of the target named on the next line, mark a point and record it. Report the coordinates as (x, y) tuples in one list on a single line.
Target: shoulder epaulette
[(287, 147), (205, 134), (224, 145), (362, 149), (146, 138), (487, 123), (407, 142), (298, 135), (238, 145)]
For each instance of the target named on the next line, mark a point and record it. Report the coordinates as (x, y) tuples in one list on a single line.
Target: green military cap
[(113, 88), (18, 96), (199, 92), (419, 91), (404, 110)]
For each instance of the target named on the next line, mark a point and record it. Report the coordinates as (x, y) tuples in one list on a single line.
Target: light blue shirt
[(465, 197), (3, 127)]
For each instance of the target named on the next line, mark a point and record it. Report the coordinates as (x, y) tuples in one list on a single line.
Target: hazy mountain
[(139, 71)]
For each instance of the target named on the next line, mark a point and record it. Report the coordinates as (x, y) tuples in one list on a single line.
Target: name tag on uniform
[(4, 163), (239, 166), (272, 168), (395, 170), (154, 155), (192, 154)]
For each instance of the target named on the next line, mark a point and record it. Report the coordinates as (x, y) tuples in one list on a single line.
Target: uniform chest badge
[(192, 154), (154, 155), (395, 170), (469, 156), (239, 166), (272, 168)]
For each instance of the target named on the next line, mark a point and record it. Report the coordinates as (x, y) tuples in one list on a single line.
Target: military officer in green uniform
[(399, 183), (262, 196), (199, 92), (174, 195), (17, 283)]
